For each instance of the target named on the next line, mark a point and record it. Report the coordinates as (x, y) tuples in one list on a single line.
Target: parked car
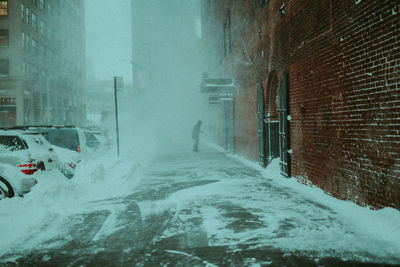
[(69, 137), (96, 139), (21, 156), (16, 181), (69, 142)]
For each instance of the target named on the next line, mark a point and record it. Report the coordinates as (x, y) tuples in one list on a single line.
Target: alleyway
[(208, 209)]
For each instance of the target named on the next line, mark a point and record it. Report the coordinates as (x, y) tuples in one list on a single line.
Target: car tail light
[(79, 149), (29, 168), (73, 166)]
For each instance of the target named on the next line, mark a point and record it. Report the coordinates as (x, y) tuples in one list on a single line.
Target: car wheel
[(5, 189)]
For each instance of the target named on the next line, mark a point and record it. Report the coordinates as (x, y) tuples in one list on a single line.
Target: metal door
[(261, 135), (283, 111)]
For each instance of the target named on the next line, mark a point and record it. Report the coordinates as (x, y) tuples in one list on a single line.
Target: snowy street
[(192, 209), (199, 133)]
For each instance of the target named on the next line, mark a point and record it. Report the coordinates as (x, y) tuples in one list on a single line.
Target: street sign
[(118, 82)]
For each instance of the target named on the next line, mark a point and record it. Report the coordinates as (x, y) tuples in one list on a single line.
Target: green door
[(283, 111), (261, 129)]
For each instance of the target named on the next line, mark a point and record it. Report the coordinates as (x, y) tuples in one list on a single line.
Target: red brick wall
[(347, 139), (246, 123), (343, 61)]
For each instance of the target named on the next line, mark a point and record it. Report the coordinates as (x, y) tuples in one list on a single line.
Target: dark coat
[(196, 131)]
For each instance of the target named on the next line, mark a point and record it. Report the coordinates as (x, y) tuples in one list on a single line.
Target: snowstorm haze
[(155, 44), (108, 38)]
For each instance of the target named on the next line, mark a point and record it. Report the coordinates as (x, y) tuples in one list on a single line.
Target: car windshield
[(12, 143), (66, 138)]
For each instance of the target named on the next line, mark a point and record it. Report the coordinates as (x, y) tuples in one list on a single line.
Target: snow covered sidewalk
[(248, 205)]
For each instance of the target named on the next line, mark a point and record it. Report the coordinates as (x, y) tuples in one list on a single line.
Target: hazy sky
[(108, 38)]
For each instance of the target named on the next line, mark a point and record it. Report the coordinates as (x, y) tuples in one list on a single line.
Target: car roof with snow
[(10, 132)]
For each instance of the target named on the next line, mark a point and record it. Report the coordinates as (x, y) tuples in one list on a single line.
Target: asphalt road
[(167, 235)]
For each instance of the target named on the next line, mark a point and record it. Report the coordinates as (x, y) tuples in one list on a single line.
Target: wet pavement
[(177, 216)]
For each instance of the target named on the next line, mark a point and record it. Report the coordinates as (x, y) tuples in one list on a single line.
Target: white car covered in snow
[(69, 160), (69, 142), (21, 156)]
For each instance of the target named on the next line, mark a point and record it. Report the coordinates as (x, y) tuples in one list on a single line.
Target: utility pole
[(117, 85)]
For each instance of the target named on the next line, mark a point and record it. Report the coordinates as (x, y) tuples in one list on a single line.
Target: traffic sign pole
[(117, 84)]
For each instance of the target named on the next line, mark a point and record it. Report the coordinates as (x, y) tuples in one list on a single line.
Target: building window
[(42, 27), (34, 21), (35, 72), (4, 67), (43, 50), (43, 76), (27, 41), (22, 11), (227, 34), (3, 8), (3, 37), (7, 111), (27, 15), (34, 46), (25, 69), (22, 39), (41, 4)]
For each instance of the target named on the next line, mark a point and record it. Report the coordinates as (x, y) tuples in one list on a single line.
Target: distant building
[(100, 103), (42, 62), (161, 36), (315, 84)]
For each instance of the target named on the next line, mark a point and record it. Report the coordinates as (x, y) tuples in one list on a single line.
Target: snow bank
[(26, 222), (361, 230)]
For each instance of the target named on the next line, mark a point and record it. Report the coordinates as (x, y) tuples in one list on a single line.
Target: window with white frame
[(22, 11), (34, 46), (43, 50), (27, 41), (34, 21), (22, 39), (27, 15), (42, 27)]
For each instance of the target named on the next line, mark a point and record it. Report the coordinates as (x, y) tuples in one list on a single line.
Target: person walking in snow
[(196, 135)]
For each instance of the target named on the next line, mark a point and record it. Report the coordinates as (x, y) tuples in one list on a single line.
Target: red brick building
[(317, 85)]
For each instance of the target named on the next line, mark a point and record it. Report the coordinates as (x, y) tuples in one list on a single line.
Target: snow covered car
[(69, 142), (97, 140), (68, 137), (21, 156), (16, 181), (34, 145), (69, 159)]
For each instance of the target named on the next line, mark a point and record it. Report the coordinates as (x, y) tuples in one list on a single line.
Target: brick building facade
[(317, 86)]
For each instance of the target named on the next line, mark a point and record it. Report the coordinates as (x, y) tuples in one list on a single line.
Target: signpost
[(118, 84)]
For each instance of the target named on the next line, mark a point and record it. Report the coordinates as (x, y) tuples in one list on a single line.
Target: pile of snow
[(55, 198)]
